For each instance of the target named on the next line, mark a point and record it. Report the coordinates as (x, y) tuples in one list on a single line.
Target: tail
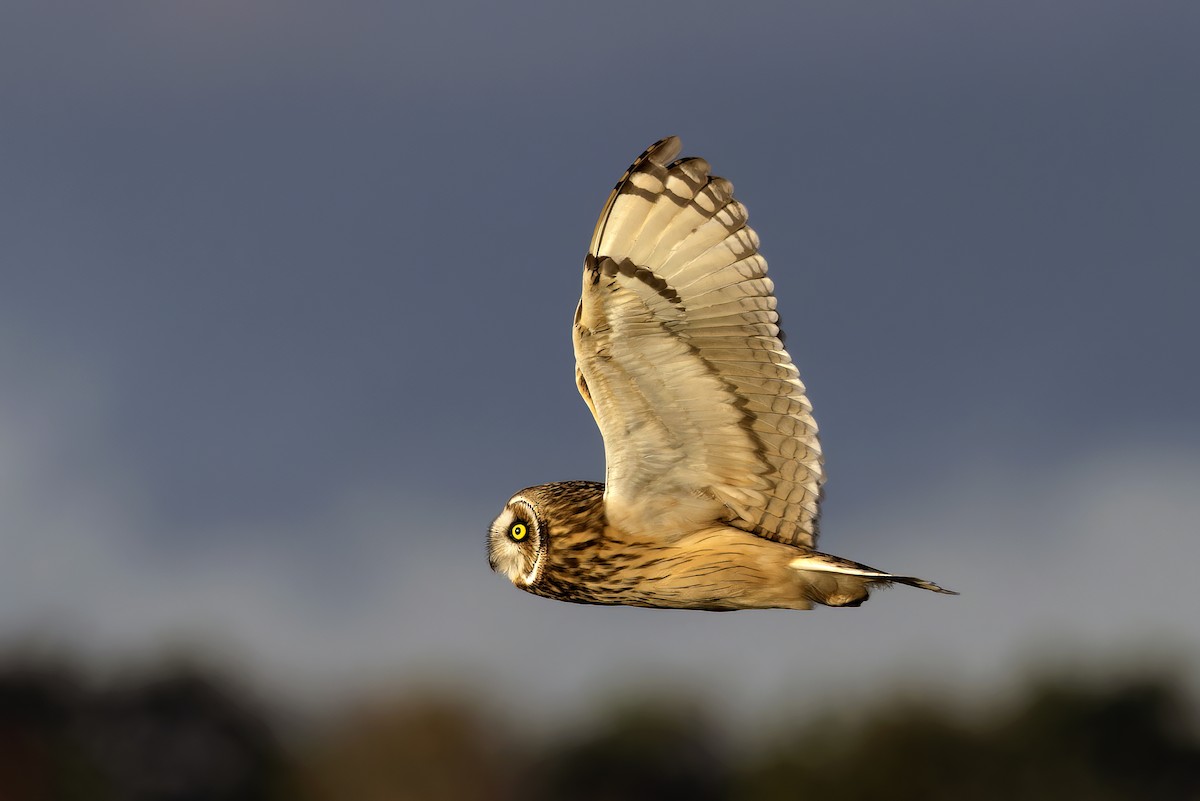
[(834, 581)]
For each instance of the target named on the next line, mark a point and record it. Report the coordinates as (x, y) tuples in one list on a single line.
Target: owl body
[(571, 552), (714, 472)]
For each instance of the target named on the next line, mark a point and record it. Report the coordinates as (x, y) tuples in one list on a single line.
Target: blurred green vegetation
[(184, 733)]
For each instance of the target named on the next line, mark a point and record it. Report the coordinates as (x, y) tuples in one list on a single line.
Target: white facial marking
[(536, 535), (505, 554), (509, 557)]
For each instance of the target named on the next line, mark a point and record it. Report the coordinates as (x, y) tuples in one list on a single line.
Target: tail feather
[(913, 581), (859, 579)]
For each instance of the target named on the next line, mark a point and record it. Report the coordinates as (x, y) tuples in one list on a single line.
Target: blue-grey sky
[(286, 292)]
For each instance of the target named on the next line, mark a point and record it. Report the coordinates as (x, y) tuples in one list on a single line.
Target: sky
[(286, 288)]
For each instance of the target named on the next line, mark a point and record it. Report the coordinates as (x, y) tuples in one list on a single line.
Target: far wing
[(678, 355)]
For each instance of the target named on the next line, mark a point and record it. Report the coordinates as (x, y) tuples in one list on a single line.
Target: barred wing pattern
[(678, 355)]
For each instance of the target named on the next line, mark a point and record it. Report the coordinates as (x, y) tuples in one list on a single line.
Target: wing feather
[(680, 359)]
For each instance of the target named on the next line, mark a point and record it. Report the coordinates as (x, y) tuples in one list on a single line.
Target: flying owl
[(713, 469)]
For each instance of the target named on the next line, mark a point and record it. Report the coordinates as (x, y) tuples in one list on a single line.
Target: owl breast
[(720, 568)]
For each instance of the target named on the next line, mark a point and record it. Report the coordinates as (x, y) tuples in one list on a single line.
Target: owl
[(713, 471)]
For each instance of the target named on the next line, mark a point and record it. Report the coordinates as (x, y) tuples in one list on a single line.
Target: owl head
[(516, 542), (519, 539)]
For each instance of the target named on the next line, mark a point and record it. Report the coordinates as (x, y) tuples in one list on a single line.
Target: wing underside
[(679, 357)]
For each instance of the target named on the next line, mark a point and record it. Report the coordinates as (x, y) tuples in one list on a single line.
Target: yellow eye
[(517, 531)]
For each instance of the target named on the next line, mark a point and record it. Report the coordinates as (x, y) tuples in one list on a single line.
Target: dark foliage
[(183, 734), (644, 751), (1065, 739), (423, 749), (178, 735)]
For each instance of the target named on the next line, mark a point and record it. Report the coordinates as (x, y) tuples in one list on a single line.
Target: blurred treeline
[(187, 733)]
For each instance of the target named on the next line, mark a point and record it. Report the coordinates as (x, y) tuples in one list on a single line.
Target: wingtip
[(661, 154), (665, 150)]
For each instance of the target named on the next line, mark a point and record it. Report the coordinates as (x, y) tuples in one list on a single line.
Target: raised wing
[(678, 355)]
